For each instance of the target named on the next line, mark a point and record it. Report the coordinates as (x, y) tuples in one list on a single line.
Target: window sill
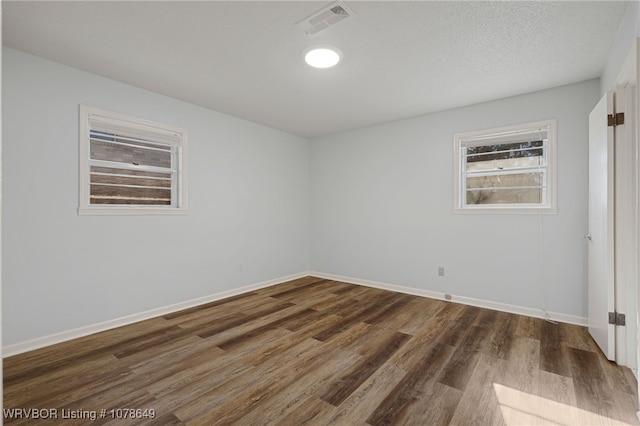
[(133, 211), (506, 210)]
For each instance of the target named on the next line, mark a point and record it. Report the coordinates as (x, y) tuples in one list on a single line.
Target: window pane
[(505, 164), (505, 196), (505, 151), (120, 186), (133, 178), (130, 153), (106, 194), (516, 188), (110, 170), (506, 180)]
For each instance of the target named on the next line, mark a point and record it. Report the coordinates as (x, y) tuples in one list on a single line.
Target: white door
[(601, 226)]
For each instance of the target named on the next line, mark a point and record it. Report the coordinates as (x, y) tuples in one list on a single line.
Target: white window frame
[(170, 135), (484, 137)]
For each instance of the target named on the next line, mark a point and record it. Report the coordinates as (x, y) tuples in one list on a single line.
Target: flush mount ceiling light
[(322, 56)]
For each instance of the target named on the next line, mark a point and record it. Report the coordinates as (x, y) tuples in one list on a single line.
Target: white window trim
[(551, 207), (84, 208)]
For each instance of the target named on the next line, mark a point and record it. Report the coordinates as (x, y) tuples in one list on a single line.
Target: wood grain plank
[(365, 400), (295, 317), (307, 413), (529, 327), (220, 327), (275, 347), (415, 384), (207, 403), (207, 307), (463, 361), (504, 333), (360, 372), (443, 401), (302, 291), (48, 360), (591, 387), (478, 405), (553, 353), (413, 315), (463, 318), (555, 387), (251, 389), (522, 374), (268, 291), (28, 391), (383, 314), (271, 408)]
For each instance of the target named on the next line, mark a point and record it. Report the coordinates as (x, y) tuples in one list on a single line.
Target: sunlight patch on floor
[(521, 408)]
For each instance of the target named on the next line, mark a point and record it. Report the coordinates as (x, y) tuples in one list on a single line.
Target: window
[(506, 170), (130, 166)]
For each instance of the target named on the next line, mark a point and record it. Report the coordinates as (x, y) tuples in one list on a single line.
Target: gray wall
[(248, 200), (373, 204), (382, 208)]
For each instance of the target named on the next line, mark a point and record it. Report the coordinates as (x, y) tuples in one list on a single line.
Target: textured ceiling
[(401, 59)]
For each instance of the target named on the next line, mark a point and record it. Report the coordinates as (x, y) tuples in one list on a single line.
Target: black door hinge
[(615, 119), (617, 318)]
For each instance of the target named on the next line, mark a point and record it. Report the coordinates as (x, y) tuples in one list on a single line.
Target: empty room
[(320, 213)]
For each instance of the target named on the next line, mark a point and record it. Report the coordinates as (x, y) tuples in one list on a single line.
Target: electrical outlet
[(441, 271), (447, 296), (240, 267)]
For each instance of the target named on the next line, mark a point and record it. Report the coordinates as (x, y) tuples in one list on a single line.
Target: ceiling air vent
[(324, 18)]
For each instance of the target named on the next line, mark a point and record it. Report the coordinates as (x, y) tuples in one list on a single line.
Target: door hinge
[(617, 318), (615, 119)]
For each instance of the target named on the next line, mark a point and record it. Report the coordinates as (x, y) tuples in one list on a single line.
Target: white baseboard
[(497, 306), (52, 339)]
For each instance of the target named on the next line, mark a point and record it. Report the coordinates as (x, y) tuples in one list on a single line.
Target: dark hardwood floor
[(320, 352)]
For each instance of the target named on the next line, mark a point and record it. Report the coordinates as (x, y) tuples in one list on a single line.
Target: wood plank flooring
[(320, 352)]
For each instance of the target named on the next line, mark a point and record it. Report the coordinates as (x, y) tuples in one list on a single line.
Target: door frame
[(628, 79), (627, 231)]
